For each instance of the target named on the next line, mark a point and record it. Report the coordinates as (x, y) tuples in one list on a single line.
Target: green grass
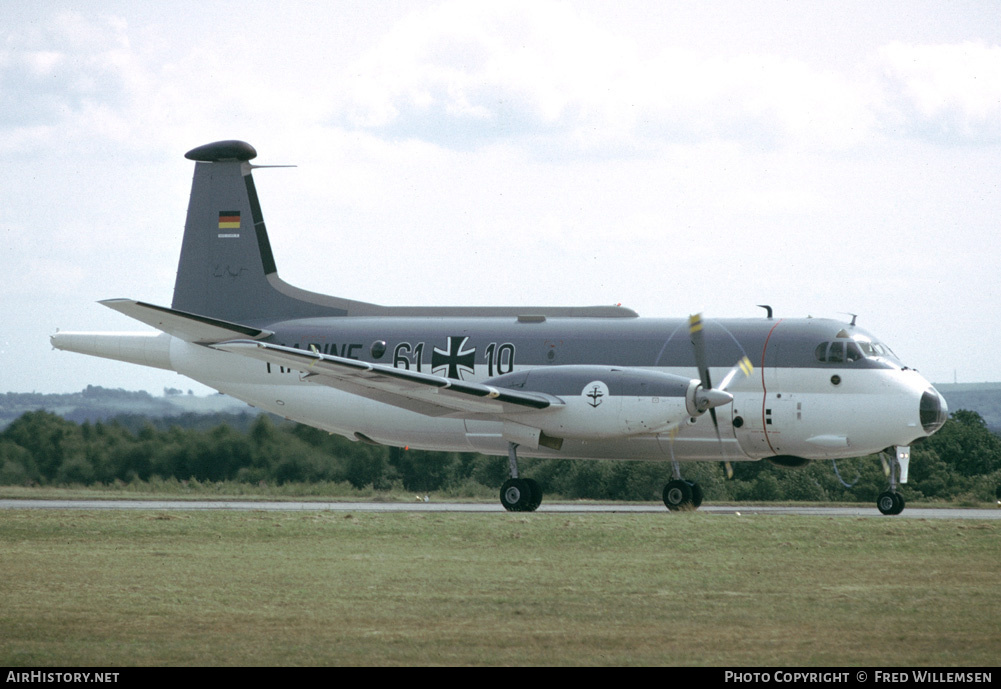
[(172, 489), (312, 588)]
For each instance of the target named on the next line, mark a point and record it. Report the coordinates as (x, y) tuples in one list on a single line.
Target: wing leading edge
[(423, 393)]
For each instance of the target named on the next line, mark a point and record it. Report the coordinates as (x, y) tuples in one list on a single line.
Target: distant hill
[(983, 398), (98, 404)]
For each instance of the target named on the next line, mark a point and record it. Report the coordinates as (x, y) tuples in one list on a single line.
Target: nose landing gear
[(891, 502)]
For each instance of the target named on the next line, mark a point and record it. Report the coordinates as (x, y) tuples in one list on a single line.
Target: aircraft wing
[(420, 392), (186, 326)]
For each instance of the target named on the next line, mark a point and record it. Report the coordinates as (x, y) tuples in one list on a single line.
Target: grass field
[(294, 588)]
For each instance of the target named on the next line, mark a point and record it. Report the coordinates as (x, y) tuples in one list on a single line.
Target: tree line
[(962, 462)]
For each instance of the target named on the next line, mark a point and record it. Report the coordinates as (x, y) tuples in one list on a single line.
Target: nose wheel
[(891, 502)]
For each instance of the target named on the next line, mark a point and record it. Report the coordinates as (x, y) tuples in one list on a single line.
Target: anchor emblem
[(594, 392)]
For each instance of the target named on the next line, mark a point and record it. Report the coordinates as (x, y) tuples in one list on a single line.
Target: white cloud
[(546, 76), (74, 78), (468, 73), (945, 91)]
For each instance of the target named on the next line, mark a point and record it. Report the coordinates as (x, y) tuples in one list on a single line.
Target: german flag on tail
[(229, 220)]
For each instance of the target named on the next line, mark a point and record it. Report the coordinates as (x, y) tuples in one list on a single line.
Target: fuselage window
[(854, 353)]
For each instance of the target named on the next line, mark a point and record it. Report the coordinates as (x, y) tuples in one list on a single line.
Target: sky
[(674, 157)]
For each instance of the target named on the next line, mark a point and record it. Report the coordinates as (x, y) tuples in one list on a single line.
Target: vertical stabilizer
[(227, 270)]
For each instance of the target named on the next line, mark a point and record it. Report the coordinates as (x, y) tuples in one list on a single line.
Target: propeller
[(707, 397)]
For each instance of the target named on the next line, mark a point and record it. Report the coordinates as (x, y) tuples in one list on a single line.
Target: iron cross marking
[(454, 357)]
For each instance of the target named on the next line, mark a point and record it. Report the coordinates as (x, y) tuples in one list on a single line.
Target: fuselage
[(821, 389)]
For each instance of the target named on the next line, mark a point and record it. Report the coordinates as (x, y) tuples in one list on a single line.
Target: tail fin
[(227, 270)]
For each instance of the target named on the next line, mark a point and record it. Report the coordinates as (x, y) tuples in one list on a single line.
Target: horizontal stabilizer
[(419, 392), (186, 326)]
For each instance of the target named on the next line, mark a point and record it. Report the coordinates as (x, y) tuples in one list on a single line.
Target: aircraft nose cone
[(933, 410)]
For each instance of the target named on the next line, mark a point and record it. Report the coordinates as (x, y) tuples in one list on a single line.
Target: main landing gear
[(890, 501), (519, 494), (680, 494)]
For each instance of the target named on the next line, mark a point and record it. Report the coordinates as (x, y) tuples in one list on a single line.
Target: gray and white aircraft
[(595, 382)]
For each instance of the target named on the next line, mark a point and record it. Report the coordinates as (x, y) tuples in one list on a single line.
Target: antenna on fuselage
[(768, 310)]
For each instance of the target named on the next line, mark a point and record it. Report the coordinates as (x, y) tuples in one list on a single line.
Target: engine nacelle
[(600, 402)]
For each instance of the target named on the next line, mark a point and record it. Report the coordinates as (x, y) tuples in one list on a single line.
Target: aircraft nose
[(933, 410)]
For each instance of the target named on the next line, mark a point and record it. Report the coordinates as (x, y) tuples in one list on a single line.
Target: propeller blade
[(719, 438), (743, 366), (698, 339), (708, 397)]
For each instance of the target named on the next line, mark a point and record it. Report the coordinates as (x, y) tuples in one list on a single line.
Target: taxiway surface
[(558, 507)]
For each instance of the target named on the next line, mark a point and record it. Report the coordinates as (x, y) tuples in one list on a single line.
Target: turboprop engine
[(605, 402)]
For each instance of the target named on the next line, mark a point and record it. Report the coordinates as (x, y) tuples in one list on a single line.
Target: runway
[(471, 507)]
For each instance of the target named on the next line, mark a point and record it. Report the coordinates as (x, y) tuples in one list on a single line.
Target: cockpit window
[(857, 348), (839, 352), (883, 350)]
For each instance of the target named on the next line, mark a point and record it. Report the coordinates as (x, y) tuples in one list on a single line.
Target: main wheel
[(678, 495), (696, 494), (517, 496), (890, 502), (536, 494)]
